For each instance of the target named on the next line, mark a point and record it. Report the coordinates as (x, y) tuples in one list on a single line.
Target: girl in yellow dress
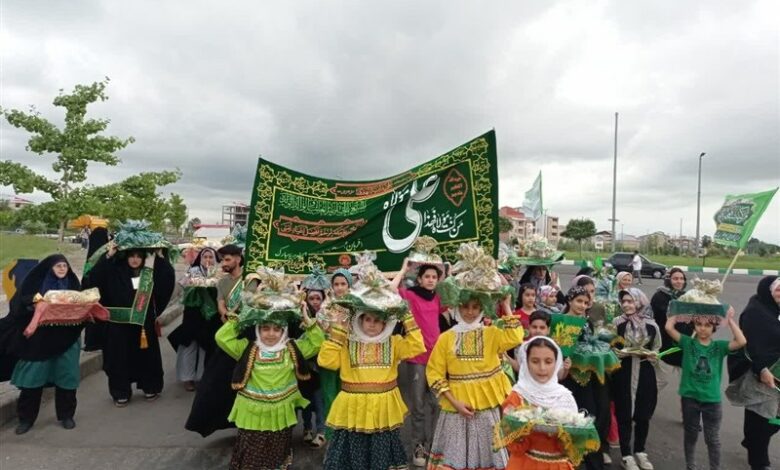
[(368, 412), (464, 369)]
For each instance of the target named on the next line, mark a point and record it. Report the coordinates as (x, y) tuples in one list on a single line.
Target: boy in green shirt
[(702, 365)]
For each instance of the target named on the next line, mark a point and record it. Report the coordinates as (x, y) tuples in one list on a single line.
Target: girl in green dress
[(267, 373)]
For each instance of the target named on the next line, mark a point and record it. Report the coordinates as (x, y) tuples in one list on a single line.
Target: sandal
[(318, 441)]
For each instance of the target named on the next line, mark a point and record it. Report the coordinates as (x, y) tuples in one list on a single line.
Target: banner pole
[(728, 270)]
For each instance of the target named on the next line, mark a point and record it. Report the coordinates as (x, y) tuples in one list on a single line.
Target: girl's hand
[(767, 378), (553, 278), (730, 314), (305, 312), (111, 249), (405, 266), (463, 409), (567, 364)]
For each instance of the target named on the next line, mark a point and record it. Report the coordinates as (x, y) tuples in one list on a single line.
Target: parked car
[(622, 262)]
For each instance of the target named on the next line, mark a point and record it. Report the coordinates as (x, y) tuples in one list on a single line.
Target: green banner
[(297, 220), (738, 217)]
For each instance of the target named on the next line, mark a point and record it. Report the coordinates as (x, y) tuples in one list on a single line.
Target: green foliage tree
[(74, 146), (177, 213), (135, 197), (504, 225), (579, 230)]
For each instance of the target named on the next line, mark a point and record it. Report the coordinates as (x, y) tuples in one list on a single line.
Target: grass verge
[(744, 262)]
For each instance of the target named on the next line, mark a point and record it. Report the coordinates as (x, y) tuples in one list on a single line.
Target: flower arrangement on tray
[(575, 430)]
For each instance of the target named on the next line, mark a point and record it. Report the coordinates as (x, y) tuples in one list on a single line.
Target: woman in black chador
[(135, 286), (50, 356)]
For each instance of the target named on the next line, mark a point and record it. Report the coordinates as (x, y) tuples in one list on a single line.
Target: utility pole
[(698, 208), (614, 186)]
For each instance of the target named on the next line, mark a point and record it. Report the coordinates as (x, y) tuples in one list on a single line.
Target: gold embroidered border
[(440, 386), (474, 376), (368, 387), (270, 397), (248, 372), (474, 152)]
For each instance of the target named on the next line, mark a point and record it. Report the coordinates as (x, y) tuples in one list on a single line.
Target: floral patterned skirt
[(262, 450), (466, 443), (350, 450)]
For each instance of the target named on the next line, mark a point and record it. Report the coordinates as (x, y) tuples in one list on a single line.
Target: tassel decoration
[(144, 341)]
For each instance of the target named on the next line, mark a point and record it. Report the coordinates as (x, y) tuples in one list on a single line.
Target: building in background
[(211, 232), (235, 213), (523, 227), (551, 230), (15, 202)]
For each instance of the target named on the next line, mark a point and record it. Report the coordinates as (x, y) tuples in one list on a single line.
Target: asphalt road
[(152, 435)]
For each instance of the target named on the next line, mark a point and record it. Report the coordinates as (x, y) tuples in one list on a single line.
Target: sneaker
[(643, 461), (607, 458), (420, 456), (121, 403), (151, 396), (318, 441), (23, 427), (629, 463), (308, 436), (68, 423)]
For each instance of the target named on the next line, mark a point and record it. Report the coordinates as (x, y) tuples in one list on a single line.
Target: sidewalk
[(90, 362)]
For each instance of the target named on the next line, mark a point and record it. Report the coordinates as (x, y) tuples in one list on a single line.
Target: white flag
[(532, 204)]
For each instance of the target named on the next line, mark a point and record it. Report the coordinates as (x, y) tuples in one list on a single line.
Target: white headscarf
[(357, 333), (546, 395), (281, 344), (620, 277), (462, 327)]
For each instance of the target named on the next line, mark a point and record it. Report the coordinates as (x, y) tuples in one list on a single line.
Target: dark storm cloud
[(363, 90)]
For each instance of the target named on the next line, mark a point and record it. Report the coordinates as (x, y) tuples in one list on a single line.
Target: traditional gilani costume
[(466, 363), (266, 376), (368, 412)]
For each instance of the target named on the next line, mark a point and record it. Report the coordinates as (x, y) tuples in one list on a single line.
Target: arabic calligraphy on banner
[(297, 220)]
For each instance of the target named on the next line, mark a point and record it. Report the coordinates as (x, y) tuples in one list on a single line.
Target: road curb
[(89, 363), (699, 269)]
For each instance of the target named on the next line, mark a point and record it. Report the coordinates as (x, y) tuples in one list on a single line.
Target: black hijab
[(97, 238), (196, 262), (47, 342), (760, 321)]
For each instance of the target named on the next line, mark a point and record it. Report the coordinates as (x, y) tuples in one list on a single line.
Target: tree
[(77, 144), (135, 197), (177, 212), (504, 224), (579, 230)]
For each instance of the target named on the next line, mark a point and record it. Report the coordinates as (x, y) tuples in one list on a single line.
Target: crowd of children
[(336, 346)]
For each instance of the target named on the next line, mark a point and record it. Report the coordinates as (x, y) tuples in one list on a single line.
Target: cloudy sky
[(364, 90)]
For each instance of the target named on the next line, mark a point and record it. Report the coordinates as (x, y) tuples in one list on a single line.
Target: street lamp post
[(614, 186), (698, 207)]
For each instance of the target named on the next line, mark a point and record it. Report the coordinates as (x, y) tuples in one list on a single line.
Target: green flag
[(565, 330), (297, 220), (532, 204), (738, 217)]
